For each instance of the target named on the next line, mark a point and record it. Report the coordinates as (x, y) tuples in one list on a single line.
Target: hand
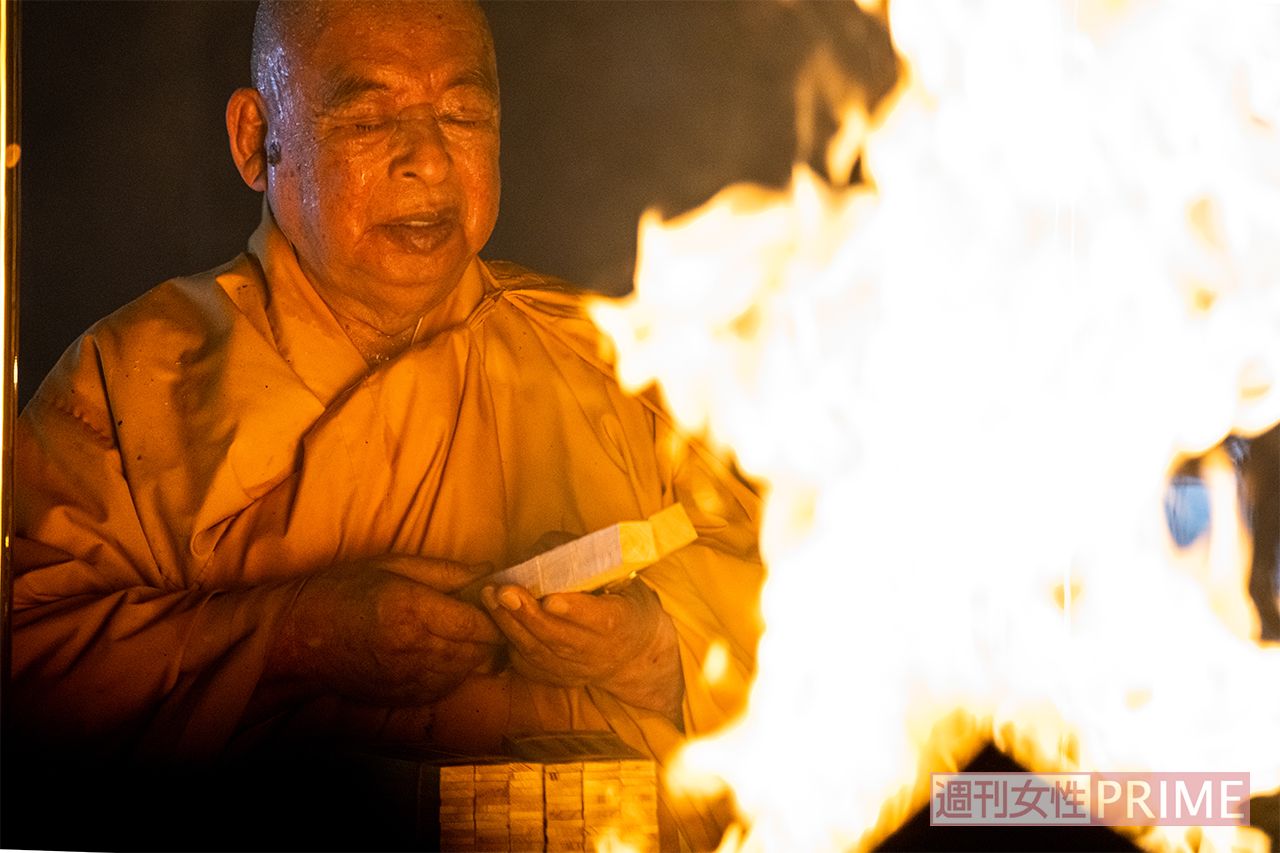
[(383, 631), (624, 643)]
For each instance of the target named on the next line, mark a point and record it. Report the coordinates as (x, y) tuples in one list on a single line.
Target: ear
[(247, 133)]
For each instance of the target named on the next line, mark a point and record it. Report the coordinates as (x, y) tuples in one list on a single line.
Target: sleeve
[(112, 651), (711, 590)]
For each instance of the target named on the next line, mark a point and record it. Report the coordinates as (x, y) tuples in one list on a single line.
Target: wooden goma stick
[(597, 559)]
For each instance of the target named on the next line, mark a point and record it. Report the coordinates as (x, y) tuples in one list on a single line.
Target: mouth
[(421, 231)]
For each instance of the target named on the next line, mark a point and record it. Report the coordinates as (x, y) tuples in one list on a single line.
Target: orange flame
[(964, 391)]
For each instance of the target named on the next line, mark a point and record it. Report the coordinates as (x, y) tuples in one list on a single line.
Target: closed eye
[(466, 116), (367, 127)]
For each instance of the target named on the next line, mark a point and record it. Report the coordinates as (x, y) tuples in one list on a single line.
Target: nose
[(419, 150)]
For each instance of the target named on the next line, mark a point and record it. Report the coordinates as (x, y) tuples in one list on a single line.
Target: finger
[(465, 622), (562, 637), (514, 631), (432, 656), (540, 664), (526, 668), (448, 658), (431, 612), (602, 615), (543, 654), (441, 575)]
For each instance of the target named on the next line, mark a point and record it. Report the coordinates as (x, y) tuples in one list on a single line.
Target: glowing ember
[(964, 392)]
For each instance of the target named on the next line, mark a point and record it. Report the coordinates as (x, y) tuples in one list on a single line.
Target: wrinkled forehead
[(424, 39)]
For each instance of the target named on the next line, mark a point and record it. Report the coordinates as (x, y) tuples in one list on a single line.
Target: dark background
[(608, 108)]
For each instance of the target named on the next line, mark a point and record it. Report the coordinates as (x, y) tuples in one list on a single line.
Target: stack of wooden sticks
[(564, 806)]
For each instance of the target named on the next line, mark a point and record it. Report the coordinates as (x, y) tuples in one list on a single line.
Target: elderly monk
[(243, 501)]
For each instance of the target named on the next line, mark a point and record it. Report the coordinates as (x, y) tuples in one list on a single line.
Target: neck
[(381, 332), (373, 344)]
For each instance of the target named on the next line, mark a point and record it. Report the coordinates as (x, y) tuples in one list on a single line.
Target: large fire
[(963, 385)]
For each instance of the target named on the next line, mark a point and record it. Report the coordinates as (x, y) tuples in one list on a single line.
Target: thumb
[(440, 575)]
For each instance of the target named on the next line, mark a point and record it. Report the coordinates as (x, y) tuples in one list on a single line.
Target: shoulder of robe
[(559, 310), (508, 275), (190, 312), (162, 386), (182, 320), (555, 296), (555, 305)]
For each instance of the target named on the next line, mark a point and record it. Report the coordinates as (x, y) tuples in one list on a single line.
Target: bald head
[(284, 29)]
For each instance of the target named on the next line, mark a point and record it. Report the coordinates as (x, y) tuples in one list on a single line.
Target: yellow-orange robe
[(193, 456)]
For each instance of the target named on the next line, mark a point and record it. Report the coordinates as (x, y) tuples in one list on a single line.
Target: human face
[(387, 182)]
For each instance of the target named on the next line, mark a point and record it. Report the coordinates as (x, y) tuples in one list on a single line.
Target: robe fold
[(196, 454)]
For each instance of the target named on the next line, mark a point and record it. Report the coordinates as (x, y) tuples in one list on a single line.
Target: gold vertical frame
[(9, 116)]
